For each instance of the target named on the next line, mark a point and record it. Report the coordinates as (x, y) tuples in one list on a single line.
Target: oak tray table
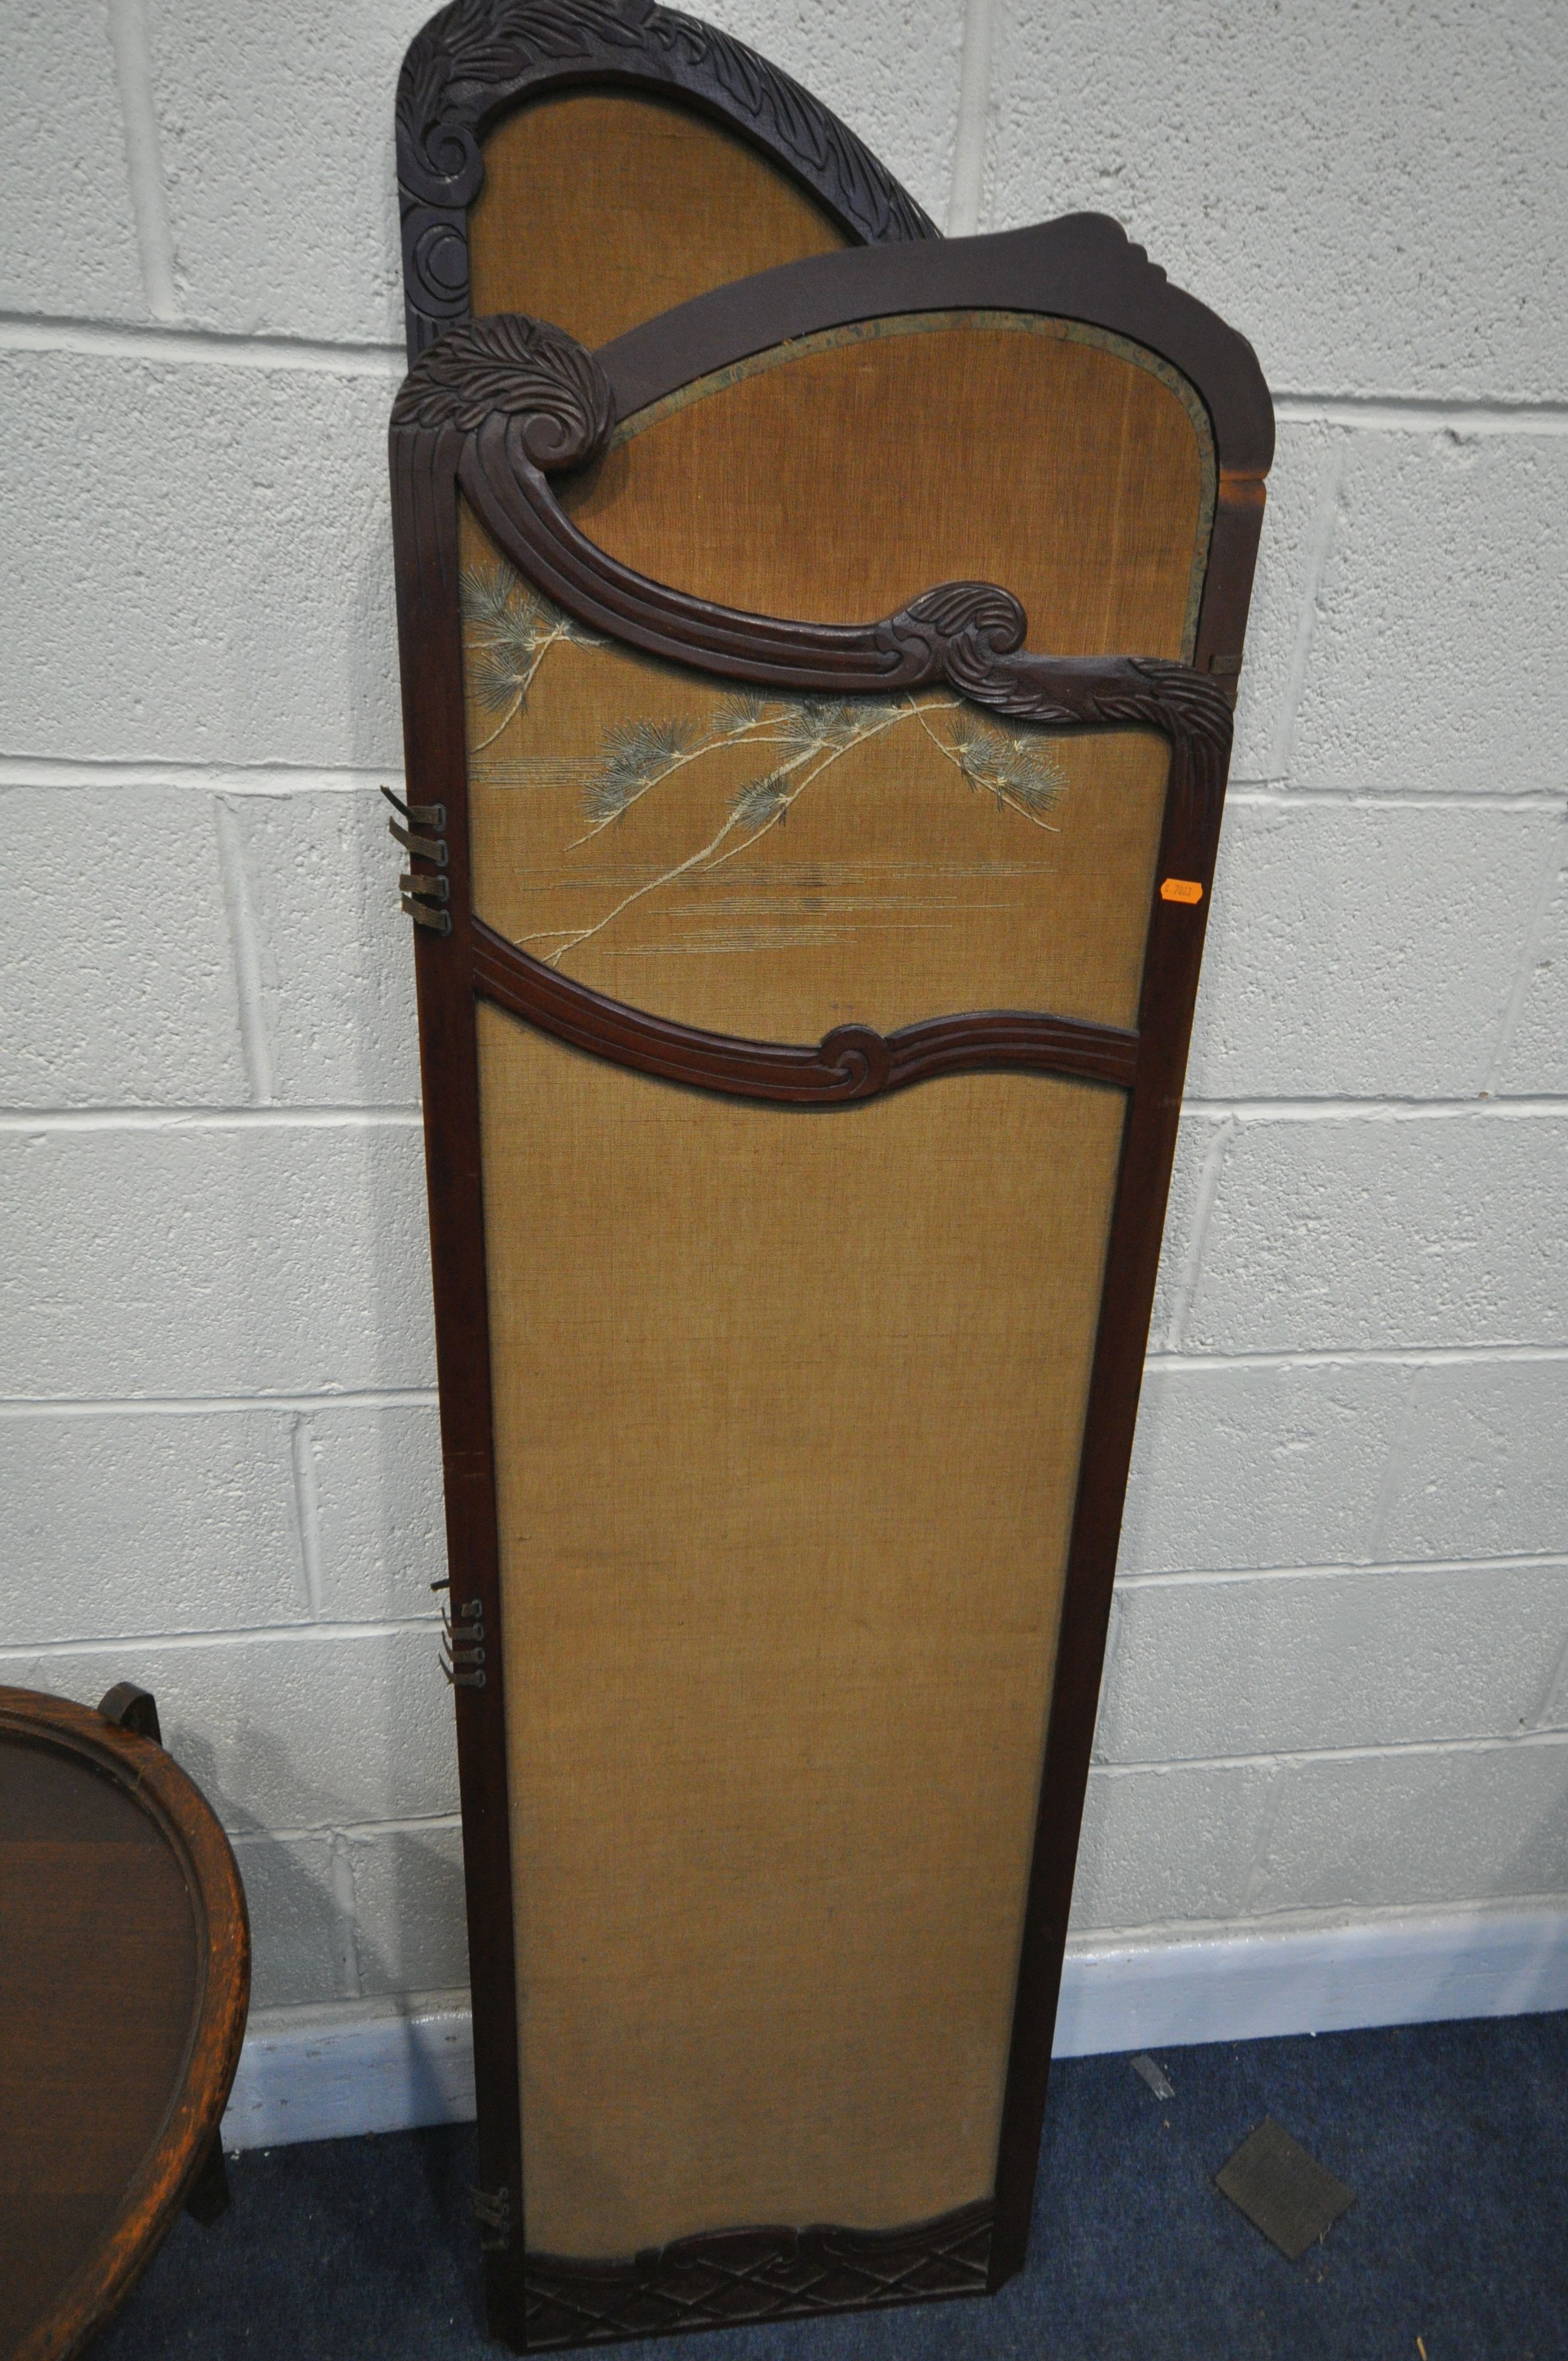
[(125, 1971)]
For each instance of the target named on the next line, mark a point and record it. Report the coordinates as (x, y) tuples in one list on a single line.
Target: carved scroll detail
[(734, 2276), (497, 405), (530, 401), (852, 1062), (478, 56), (1190, 708), (525, 371), (477, 52)]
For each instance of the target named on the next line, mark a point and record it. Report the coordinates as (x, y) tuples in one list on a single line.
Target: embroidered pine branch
[(509, 631), (1015, 769), (634, 757)]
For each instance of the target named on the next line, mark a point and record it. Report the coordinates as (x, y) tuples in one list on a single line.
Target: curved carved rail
[(529, 403), (851, 1062), (724, 2278), (500, 405)]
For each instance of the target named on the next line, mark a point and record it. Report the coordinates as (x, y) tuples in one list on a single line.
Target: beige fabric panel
[(788, 1413), (789, 1405), (780, 864), (601, 208), (837, 478)]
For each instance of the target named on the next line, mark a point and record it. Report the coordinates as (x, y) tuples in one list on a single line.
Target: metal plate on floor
[(1149, 2070), (1286, 2193)]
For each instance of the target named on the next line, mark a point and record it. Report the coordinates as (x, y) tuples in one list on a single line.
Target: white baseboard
[(323, 2074), (326, 2073), (1398, 1970)]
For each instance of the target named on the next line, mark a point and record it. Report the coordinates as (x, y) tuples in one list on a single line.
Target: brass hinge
[(492, 2210), (423, 896), (462, 1645)]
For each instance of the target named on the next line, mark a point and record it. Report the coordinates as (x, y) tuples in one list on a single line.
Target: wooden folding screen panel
[(804, 1006), (817, 706)]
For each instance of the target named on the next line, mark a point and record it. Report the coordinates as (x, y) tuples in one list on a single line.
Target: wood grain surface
[(124, 1977)]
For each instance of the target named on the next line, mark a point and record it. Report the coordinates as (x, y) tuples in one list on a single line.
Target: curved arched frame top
[(479, 59), (494, 412)]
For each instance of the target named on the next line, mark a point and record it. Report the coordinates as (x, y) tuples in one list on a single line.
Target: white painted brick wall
[(1409, 912), (302, 1919), (70, 247), (1363, 188), (1428, 665), (1536, 1056), (197, 561), (1388, 1228), (213, 1255), (1338, 1684)]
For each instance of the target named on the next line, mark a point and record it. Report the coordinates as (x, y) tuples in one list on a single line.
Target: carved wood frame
[(491, 411), (479, 59)]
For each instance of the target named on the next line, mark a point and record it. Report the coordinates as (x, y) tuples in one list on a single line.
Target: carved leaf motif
[(427, 70), (490, 43), (477, 49), (985, 618), (802, 124), (515, 368), (1201, 702), (477, 52)]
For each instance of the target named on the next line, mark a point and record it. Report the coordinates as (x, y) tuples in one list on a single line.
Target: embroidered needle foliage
[(509, 630), (1020, 771)]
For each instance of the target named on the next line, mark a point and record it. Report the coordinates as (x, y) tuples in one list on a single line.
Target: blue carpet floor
[(1455, 2138)]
